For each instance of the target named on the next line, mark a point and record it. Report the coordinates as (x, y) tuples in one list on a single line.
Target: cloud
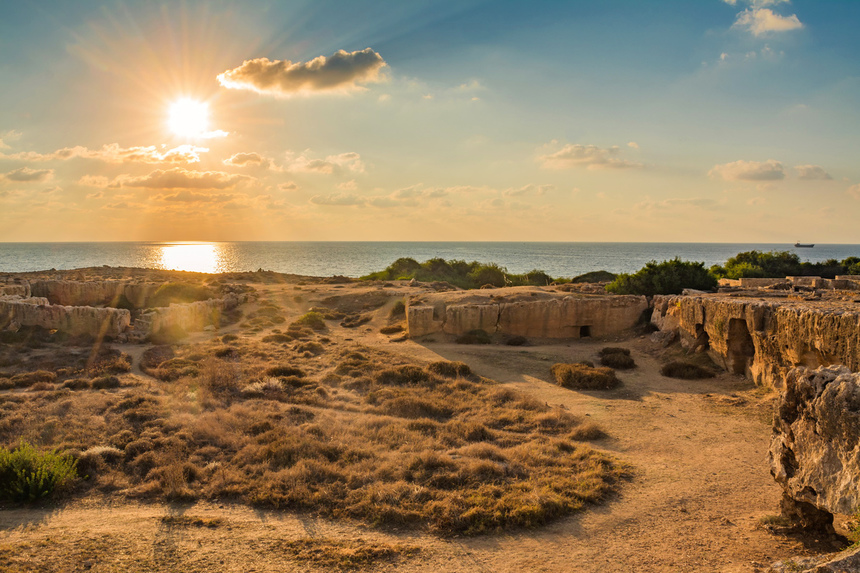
[(94, 181), (633, 144), (342, 71), (249, 159), (338, 199), (113, 153), (333, 164), (530, 189), (854, 191), (760, 21), (288, 186), (758, 3), (770, 170), (192, 197), (181, 179), (589, 156), (10, 135), (26, 175), (811, 172)]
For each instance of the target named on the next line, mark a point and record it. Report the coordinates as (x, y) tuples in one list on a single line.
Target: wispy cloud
[(333, 164), (589, 156), (113, 153), (343, 71), (8, 136), (249, 159), (339, 199), (181, 179), (770, 170), (811, 172), (27, 175), (759, 20)]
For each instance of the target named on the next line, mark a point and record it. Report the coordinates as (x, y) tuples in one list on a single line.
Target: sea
[(355, 259)]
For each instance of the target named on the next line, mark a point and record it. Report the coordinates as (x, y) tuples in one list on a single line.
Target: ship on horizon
[(802, 246)]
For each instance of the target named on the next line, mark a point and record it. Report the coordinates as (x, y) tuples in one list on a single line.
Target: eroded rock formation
[(74, 320), (815, 452), (94, 293), (763, 339), (523, 311)]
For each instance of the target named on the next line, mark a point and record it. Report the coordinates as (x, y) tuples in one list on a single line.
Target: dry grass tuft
[(685, 370), (616, 357), (352, 555), (583, 377)]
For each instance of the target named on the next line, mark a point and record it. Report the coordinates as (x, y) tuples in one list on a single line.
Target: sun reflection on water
[(194, 257)]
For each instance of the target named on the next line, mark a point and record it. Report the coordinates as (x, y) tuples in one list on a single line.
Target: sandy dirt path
[(699, 486)]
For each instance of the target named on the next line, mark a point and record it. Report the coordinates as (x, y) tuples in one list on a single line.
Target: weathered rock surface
[(523, 311), (815, 453), (75, 320), (93, 293), (763, 339), (191, 317), (845, 562)]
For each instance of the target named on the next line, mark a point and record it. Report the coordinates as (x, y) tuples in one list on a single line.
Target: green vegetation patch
[(459, 273), (668, 277), (27, 474)]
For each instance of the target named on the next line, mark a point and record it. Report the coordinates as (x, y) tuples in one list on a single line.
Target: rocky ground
[(699, 496)]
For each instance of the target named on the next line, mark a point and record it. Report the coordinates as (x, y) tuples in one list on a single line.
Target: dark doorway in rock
[(703, 341), (584, 331), (741, 349)]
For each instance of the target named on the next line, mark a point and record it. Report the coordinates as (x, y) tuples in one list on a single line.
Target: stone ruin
[(523, 311), (90, 309)]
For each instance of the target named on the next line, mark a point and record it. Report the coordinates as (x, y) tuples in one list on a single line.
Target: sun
[(188, 118)]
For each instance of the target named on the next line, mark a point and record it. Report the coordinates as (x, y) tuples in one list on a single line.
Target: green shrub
[(668, 277), (27, 474), (583, 377), (459, 273), (595, 277), (685, 370)]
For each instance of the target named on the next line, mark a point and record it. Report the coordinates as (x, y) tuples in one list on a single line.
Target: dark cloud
[(811, 172), (342, 71)]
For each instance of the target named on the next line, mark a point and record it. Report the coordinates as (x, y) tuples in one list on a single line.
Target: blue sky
[(618, 120)]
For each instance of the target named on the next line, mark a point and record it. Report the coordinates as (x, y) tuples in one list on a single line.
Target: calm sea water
[(355, 259)]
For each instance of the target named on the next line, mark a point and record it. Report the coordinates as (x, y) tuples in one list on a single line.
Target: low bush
[(450, 369), (477, 336), (517, 341), (392, 329), (285, 371), (668, 277), (103, 382), (685, 370), (312, 320), (398, 310), (582, 377), (615, 357), (595, 277), (26, 474), (472, 275), (29, 378)]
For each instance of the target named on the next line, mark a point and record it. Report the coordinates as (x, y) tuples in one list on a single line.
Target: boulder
[(815, 452), (847, 561)]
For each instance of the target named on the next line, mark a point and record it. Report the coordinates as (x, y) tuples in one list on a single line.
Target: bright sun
[(188, 118)]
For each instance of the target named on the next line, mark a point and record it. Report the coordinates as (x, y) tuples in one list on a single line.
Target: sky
[(430, 120)]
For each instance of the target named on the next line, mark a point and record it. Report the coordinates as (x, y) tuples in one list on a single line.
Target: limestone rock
[(815, 452), (847, 561), (74, 320), (523, 311), (760, 339)]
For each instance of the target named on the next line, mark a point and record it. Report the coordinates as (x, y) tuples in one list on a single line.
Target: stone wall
[(74, 320), (523, 311), (94, 293), (762, 339), (814, 454)]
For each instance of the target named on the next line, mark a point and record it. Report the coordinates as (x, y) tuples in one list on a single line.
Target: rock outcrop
[(74, 320), (815, 452), (847, 561), (523, 311), (763, 339), (94, 293), (189, 317)]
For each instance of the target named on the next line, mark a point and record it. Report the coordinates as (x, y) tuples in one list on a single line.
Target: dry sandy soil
[(699, 487)]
